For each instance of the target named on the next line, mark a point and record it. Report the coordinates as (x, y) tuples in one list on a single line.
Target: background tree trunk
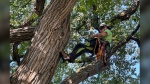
[(51, 36)]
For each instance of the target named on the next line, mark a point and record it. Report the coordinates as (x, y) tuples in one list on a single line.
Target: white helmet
[(103, 24)]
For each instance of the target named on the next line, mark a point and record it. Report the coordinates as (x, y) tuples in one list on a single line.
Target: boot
[(65, 56)]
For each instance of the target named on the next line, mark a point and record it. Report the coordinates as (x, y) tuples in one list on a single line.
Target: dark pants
[(89, 47)]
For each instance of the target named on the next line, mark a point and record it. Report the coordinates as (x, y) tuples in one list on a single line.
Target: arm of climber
[(103, 34)]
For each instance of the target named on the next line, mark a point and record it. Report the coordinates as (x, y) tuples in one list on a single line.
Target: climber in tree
[(105, 35)]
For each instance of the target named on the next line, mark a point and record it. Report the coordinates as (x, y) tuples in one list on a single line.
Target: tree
[(50, 36), (50, 30)]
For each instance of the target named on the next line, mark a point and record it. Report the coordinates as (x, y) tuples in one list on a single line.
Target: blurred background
[(145, 41), (4, 42)]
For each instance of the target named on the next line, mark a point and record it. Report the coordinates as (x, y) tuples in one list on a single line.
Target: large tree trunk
[(51, 36)]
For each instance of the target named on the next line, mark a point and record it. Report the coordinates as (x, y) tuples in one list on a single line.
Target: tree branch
[(114, 49), (136, 39), (39, 6), (21, 56), (125, 15), (15, 55), (84, 73), (135, 30), (21, 34), (95, 17)]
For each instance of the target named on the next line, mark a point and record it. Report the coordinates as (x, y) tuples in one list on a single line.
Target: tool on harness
[(100, 55)]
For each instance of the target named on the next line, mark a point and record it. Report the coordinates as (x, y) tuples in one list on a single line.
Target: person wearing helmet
[(104, 33)]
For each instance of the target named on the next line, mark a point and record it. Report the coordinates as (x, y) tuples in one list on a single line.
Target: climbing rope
[(97, 59), (60, 62), (98, 76)]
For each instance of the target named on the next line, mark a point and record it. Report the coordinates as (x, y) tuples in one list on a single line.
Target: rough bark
[(91, 69), (50, 38)]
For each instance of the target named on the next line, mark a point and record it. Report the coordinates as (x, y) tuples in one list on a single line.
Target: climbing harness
[(101, 50), (99, 56), (99, 53)]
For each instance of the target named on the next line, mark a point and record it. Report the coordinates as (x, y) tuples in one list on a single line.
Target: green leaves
[(19, 11), (33, 16), (23, 47)]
